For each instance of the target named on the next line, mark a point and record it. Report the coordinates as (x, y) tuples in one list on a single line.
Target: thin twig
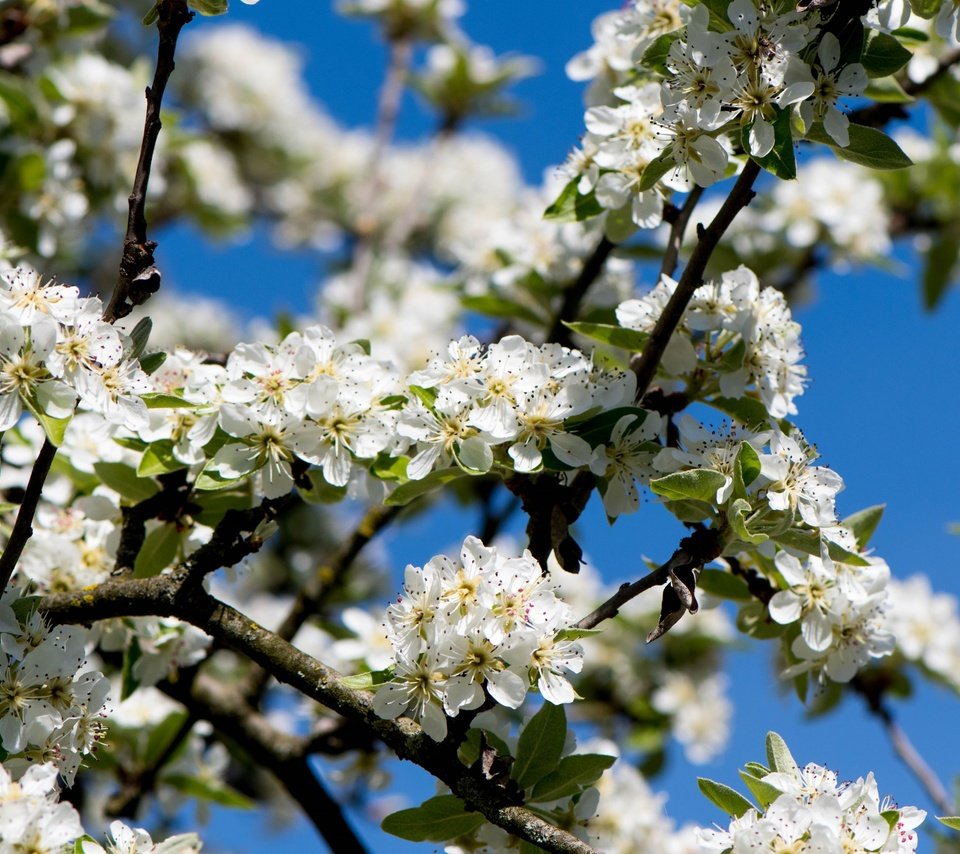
[(872, 692), (677, 230), (388, 108), (694, 551), (645, 365), (573, 295), (23, 526), (138, 277)]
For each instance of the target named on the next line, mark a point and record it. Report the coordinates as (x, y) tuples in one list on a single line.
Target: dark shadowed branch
[(645, 365), (138, 277), (180, 595)]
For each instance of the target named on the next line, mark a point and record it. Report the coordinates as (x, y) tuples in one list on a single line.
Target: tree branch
[(138, 277), (280, 754), (645, 365), (871, 685), (23, 526), (694, 551), (677, 229), (175, 595), (574, 294)]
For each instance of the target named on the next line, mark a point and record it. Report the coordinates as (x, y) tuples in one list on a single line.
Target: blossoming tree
[(191, 608)]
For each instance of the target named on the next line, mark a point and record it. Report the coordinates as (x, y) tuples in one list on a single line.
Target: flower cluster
[(486, 625), (512, 395), (56, 349), (33, 819), (738, 81), (734, 328), (841, 611), (307, 398), (808, 809), (52, 706)]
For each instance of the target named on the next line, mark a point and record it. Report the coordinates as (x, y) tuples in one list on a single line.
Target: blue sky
[(882, 405)]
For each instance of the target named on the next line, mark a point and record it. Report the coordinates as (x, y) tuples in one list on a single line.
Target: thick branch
[(280, 754), (327, 579), (172, 596), (23, 526), (645, 365), (138, 277)]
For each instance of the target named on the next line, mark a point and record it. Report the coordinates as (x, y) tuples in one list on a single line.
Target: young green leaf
[(864, 522), (779, 756), (699, 484), (883, 55), (570, 206), (729, 800), (540, 745), (158, 551), (616, 336), (123, 479), (435, 820), (951, 821), (868, 147), (573, 774)]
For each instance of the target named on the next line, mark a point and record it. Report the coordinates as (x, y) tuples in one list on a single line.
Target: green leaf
[(763, 792), (698, 484), (500, 307), (139, 337), (572, 775), (152, 361), (123, 479), (540, 745), (214, 505), (54, 428), (208, 7), (596, 429), (368, 680), (159, 550), (152, 15), (719, 16), (747, 464), (570, 206), (951, 821), (716, 582), (753, 620), (883, 55), (868, 147), (616, 336), (940, 264), (887, 90), (779, 756), (655, 56), (406, 492), (161, 737), (157, 400), (656, 169), (925, 8), (737, 514), (128, 682), (747, 410), (809, 542), (864, 522), (573, 634), (730, 801), (206, 790), (321, 492), (158, 458), (781, 160), (435, 820)]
